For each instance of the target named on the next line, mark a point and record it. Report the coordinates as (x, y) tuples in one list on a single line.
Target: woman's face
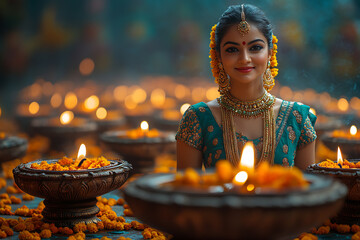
[(244, 58)]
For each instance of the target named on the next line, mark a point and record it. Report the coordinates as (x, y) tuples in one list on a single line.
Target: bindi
[(243, 43)]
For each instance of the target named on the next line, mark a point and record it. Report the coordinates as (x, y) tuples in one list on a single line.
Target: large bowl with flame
[(140, 152), (190, 213), (350, 145), (70, 196), (350, 213)]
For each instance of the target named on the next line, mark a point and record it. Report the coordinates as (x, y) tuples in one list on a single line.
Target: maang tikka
[(243, 26)]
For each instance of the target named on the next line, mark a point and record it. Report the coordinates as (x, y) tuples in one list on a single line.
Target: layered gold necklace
[(262, 106)]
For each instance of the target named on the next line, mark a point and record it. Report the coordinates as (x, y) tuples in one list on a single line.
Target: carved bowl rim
[(147, 189)]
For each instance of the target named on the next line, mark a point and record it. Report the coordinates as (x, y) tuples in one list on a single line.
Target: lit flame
[(247, 161), (86, 66), (157, 97), (91, 103), (144, 126), (343, 104), (312, 111), (240, 178), (82, 151), (353, 130), (339, 157), (66, 117), (34, 108), (101, 113), (70, 100), (184, 107), (56, 100)]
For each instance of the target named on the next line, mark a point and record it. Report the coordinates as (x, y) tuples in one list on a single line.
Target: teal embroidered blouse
[(294, 129)]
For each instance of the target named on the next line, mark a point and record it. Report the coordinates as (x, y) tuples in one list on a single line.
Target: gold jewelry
[(243, 26), (252, 109), (268, 79), (230, 140), (223, 80)]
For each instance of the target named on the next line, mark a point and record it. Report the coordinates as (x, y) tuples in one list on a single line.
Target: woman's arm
[(187, 156), (305, 156)]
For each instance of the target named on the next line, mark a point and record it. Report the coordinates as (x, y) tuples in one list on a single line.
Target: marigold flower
[(19, 227), (356, 236), (3, 234), (92, 228), (342, 228), (355, 228), (7, 230), (15, 200), (128, 212), (46, 233), (120, 201), (28, 197), (80, 227)]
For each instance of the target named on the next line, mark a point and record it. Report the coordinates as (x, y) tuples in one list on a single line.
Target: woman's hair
[(233, 16)]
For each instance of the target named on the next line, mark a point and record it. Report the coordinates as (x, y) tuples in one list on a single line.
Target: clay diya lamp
[(140, 146), (12, 147), (26, 113), (350, 213), (223, 212), (168, 120), (64, 131), (70, 196), (347, 140), (109, 120)]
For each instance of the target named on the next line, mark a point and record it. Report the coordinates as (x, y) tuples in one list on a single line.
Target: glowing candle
[(66, 117), (353, 130), (240, 178), (144, 128), (339, 158), (247, 161)]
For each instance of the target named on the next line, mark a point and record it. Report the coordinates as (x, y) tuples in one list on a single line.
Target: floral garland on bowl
[(214, 63)]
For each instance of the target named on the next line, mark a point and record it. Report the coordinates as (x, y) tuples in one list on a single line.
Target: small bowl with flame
[(64, 131), (70, 186), (140, 146), (348, 172), (347, 140)]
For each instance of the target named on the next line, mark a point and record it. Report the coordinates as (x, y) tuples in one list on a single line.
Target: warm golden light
[(343, 104), (101, 113), (286, 93), (353, 130), (0, 112), (120, 93), (81, 152), (139, 95), (158, 97), (312, 111), (198, 94), (91, 103), (144, 125), (66, 117), (250, 187), (180, 91), (240, 178), (71, 100), (35, 91), (34, 108), (184, 107), (212, 93), (47, 88), (129, 103), (247, 160), (355, 103), (339, 157), (56, 100), (86, 66)]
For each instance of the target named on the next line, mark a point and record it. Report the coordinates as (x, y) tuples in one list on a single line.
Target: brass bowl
[(351, 147), (12, 147), (140, 152), (70, 196), (195, 214), (350, 213)]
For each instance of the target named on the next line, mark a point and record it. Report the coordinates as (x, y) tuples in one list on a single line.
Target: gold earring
[(268, 80), (223, 80)]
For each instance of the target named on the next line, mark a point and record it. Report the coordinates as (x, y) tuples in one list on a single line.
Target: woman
[(243, 53)]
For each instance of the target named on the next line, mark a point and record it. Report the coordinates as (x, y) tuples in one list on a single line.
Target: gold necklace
[(251, 109), (230, 140)]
